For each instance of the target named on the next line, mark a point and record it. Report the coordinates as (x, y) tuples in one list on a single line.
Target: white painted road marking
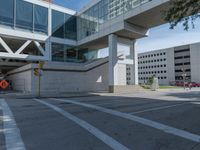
[(157, 108), (147, 122), (96, 132), (10, 129)]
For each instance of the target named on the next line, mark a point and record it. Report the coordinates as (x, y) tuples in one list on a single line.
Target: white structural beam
[(23, 47), (40, 47), (20, 34), (7, 48), (22, 56)]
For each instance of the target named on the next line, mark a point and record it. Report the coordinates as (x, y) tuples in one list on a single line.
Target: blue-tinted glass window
[(40, 19), (70, 27), (7, 12), (57, 52), (58, 24), (24, 14)]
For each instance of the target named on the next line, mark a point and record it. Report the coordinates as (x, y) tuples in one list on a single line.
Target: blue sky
[(159, 37), (163, 37), (72, 4)]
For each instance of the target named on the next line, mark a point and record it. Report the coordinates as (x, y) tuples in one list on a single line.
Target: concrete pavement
[(77, 123)]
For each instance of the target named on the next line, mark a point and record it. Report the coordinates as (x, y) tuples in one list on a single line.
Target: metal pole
[(39, 80)]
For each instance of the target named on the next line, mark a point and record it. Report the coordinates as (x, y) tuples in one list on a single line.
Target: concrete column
[(113, 71), (48, 42), (134, 56)]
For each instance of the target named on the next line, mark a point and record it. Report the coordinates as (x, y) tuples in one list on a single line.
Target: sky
[(159, 37), (72, 4)]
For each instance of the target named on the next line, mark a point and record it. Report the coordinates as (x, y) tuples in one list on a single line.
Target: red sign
[(4, 84)]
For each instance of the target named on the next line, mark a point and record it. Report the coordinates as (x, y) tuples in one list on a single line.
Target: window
[(40, 19), (61, 52), (57, 52), (180, 51), (24, 15), (187, 63), (186, 56), (7, 17), (57, 24), (180, 57), (70, 27)]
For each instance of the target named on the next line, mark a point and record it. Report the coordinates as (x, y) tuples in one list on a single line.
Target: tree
[(150, 81), (182, 11)]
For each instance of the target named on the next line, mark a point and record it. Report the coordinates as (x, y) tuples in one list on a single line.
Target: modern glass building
[(55, 23), (35, 30), (59, 25), (91, 19)]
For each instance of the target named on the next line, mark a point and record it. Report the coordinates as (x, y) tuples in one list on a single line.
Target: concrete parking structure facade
[(170, 64)]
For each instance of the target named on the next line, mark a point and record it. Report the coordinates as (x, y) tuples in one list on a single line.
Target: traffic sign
[(4, 84)]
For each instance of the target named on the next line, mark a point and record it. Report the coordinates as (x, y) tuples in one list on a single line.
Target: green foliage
[(150, 81), (182, 11)]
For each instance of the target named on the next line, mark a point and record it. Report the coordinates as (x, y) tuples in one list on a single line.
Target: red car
[(179, 83), (195, 84), (187, 84), (198, 84)]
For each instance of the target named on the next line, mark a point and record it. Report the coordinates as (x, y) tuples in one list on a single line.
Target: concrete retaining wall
[(62, 77)]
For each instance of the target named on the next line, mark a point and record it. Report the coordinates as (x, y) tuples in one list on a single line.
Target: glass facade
[(90, 21), (70, 30), (32, 17), (58, 24), (24, 15), (66, 53), (40, 19), (63, 25), (7, 17)]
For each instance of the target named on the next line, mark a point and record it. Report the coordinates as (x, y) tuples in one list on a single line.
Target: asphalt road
[(99, 123)]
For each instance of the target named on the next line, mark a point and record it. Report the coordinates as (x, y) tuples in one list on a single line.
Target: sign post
[(38, 73)]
